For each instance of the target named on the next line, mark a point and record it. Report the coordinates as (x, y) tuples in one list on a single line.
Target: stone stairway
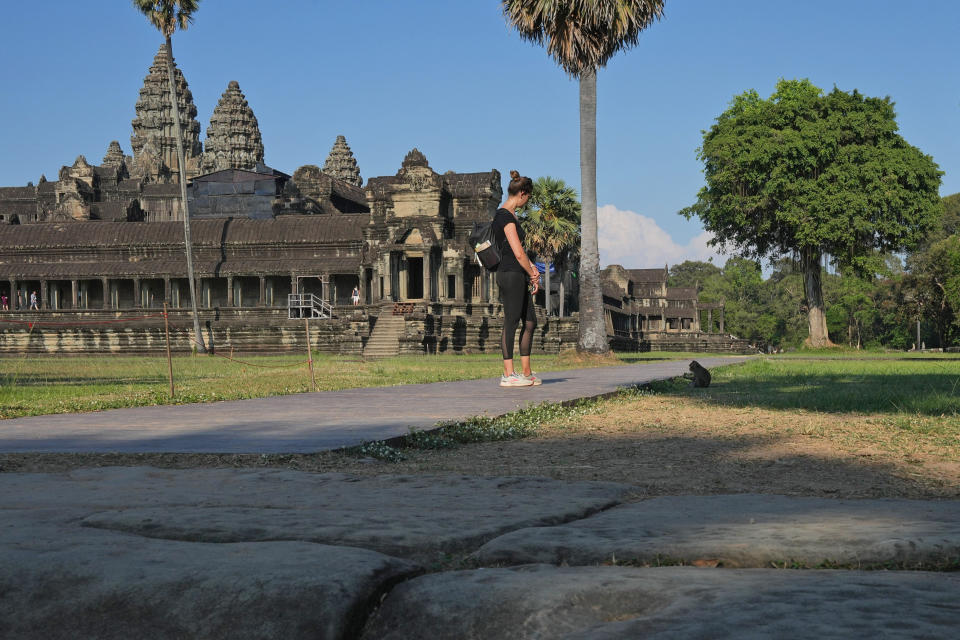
[(384, 341)]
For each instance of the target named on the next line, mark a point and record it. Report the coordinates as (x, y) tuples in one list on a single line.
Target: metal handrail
[(300, 305)]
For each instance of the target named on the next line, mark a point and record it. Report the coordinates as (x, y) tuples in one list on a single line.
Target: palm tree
[(582, 36), (167, 16), (551, 222)]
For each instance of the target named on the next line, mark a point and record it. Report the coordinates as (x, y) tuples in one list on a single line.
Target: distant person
[(355, 296), (33, 301), (519, 280), (4, 302)]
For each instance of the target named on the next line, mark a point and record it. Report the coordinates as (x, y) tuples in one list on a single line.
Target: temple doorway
[(414, 278)]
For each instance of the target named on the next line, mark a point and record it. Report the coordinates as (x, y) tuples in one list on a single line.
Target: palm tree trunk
[(181, 160), (593, 329), (813, 288), (546, 280)]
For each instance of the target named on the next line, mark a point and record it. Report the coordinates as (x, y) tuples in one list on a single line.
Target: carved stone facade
[(233, 137), (342, 165), (153, 141), (108, 238)]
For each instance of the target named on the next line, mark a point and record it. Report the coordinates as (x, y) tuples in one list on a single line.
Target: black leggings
[(517, 305)]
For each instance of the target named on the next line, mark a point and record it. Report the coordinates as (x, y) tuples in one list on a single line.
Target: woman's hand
[(535, 283)]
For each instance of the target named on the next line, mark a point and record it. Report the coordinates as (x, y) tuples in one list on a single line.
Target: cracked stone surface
[(542, 601), (745, 531), (59, 580), (224, 553)]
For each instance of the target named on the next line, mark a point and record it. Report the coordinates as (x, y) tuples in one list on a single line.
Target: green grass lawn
[(919, 387), (36, 385)]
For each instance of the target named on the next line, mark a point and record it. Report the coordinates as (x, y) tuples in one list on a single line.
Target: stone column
[(167, 292), (331, 293), (106, 292), (721, 320), (263, 292), (387, 275), (362, 285), (709, 320), (137, 302), (74, 291), (427, 263), (459, 273), (663, 321), (44, 303), (13, 293), (230, 291)]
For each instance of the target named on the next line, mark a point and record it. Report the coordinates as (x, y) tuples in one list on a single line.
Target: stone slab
[(62, 583), (410, 516), (541, 601), (745, 531), (308, 422)]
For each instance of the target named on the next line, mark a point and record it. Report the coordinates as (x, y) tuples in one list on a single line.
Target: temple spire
[(154, 122), (341, 164), (233, 137)]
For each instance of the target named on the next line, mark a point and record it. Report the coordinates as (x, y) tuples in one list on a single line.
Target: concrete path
[(308, 422)]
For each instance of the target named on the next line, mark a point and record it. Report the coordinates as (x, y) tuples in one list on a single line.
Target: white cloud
[(636, 241)]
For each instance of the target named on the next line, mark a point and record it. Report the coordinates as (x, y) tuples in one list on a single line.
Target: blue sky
[(450, 78)]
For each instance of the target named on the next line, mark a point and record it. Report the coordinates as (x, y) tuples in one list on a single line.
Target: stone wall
[(259, 331)]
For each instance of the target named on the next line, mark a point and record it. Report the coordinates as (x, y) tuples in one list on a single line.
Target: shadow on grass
[(654, 465), (927, 394)]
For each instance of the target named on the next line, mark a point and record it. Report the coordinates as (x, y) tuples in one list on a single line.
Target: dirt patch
[(662, 445)]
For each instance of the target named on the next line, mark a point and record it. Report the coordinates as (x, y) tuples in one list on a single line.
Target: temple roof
[(286, 230), (682, 293), (647, 275)]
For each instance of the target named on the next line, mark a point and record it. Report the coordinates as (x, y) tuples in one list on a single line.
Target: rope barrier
[(44, 323)]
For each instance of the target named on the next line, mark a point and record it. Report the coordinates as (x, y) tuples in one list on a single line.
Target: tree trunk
[(813, 288), (593, 328), (181, 160), (563, 275), (546, 292)]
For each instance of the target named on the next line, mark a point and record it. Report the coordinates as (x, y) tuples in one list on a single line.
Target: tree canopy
[(807, 173)]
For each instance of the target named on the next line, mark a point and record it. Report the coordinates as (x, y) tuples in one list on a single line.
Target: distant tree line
[(879, 310)]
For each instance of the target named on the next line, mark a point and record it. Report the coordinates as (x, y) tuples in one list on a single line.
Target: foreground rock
[(149, 553), (409, 516), (67, 583), (539, 601), (746, 531)]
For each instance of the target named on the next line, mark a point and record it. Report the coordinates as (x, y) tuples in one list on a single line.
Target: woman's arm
[(510, 231)]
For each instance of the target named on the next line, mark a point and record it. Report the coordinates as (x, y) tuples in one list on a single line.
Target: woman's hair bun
[(514, 175)]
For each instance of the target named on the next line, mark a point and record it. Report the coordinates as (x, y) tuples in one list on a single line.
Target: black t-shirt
[(508, 261)]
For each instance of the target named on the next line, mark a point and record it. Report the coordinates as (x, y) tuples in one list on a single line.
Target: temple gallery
[(105, 242)]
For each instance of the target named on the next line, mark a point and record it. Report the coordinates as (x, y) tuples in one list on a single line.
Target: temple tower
[(153, 142), (342, 165), (114, 156), (233, 137)]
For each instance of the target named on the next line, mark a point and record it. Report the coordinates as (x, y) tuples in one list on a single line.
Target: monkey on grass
[(701, 377)]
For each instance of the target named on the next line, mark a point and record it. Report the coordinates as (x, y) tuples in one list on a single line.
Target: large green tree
[(808, 173), (551, 223), (167, 16), (581, 37)]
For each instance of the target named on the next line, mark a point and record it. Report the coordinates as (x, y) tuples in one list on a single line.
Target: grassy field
[(835, 428), (42, 385)]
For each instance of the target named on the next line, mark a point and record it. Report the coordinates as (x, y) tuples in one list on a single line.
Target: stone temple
[(104, 243)]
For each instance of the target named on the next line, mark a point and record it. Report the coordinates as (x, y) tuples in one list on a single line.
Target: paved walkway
[(310, 422)]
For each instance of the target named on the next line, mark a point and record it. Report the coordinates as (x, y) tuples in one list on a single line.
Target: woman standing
[(518, 279)]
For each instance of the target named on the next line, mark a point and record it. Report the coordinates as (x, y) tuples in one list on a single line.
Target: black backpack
[(483, 239)]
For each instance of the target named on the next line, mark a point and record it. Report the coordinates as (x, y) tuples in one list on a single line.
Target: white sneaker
[(533, 376), (515, 380)]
